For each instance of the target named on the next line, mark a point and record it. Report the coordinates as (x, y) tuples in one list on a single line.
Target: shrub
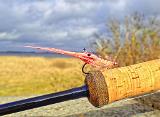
[(133, 40)]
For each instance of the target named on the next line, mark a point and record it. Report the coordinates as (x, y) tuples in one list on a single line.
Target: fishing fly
[(87, 57)]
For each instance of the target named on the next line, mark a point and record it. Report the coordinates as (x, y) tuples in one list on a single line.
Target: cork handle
[(123, 82)]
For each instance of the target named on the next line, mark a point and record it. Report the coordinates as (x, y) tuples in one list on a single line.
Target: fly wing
[(113, 61), (109, 62), (106, 57), (109, 58)]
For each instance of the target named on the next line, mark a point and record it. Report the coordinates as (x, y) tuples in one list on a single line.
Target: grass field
[(21, 76)]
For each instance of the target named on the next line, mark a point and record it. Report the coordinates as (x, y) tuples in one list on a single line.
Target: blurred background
[(127, 31)]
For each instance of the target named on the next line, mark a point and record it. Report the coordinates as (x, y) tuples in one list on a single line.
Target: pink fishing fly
[(86, 57)]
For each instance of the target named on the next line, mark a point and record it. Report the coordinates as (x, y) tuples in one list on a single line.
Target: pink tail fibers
[(54, 50)]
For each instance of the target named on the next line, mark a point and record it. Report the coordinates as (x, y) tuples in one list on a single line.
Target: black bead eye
[(88, 54)]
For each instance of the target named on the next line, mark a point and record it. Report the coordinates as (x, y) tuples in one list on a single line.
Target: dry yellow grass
[(38, 75)]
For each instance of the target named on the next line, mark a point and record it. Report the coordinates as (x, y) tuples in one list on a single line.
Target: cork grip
[(118, 83)]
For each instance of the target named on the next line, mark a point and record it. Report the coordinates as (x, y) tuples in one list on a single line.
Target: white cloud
[(9, 36), (57, 35), (83, 32), (119, 5), (62, 10)]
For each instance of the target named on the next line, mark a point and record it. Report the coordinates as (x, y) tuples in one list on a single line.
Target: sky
[(65, 24)]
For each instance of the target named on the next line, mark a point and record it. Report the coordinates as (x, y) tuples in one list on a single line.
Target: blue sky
[(66, 24)]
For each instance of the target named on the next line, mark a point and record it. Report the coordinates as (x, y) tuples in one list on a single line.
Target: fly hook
[(83, 69)]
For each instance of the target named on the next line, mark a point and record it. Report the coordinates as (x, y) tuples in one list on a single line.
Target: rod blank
[(43, 100)]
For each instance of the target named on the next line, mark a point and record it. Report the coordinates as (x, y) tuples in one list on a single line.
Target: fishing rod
[(43, 100), (101, 87)]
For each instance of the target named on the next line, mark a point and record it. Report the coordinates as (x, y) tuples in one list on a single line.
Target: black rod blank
[(43, 100)]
